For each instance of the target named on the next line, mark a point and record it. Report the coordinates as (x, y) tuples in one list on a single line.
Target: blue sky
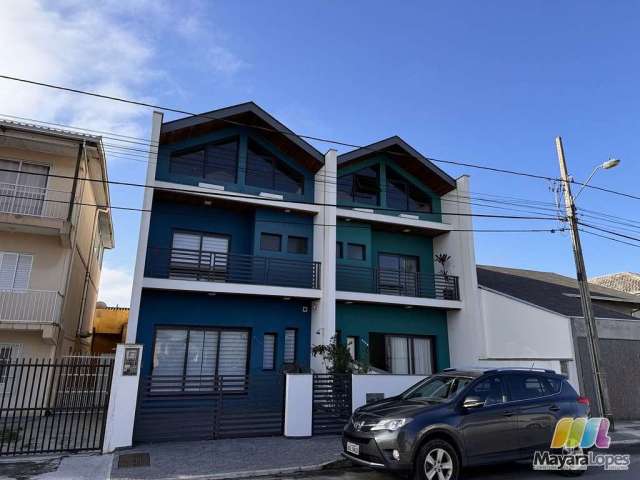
[(481, 82)]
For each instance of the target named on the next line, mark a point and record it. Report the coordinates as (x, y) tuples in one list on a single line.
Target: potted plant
[(448, 290)]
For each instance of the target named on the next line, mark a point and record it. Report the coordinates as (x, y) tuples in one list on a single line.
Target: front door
[(489, 431)]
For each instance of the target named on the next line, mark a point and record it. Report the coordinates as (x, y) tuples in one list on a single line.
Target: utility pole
[(600, 380)]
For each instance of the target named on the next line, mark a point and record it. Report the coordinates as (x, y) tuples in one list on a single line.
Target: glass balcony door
[(398, 274), (23, 188)]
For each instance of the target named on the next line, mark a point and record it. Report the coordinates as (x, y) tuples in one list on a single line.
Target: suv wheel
[(437, 460)]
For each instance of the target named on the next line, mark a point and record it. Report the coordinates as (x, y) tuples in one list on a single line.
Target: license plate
[(353, 448)]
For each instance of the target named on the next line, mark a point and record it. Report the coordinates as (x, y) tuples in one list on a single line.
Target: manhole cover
[(130, 460)]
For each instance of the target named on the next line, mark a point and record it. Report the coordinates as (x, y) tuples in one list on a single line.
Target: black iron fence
[(53, 405), (185, 264), (199, 407), (331, 402), (396, 282)]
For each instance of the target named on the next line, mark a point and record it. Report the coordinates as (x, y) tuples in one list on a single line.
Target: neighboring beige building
[(109, 328), (628, 282), (50, 249)]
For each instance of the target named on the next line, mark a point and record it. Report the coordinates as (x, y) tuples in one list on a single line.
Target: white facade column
[(143, 237), (121, 414), (323, 313), (298, 405), (466, 333)]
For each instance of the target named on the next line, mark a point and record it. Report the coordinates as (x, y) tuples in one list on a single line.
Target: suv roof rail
[(525, 369)]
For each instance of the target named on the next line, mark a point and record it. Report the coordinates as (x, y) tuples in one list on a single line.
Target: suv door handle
[(508, 413), (554, 408)]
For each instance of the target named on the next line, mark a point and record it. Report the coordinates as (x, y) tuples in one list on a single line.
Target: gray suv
[(462, 418)]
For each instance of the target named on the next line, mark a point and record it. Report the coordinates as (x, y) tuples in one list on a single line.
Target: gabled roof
[(627, 282), (550, 291), (247, 114), (408, 158)]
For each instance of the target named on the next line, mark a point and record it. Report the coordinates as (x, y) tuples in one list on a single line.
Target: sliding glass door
[(398, 274), (409, 355)]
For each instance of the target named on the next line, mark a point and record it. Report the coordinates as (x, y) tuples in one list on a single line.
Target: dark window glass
[(187, 163), (270, 242), (290, 345), (355, 251), (527, 386), (339, 249), (264, 170), (297, 245), (490, 391), (221, 162), (403, 195), (360, 187), (269, 352)]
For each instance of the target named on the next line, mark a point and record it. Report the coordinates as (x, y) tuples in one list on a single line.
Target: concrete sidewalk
[(627, 432), (232, 458)]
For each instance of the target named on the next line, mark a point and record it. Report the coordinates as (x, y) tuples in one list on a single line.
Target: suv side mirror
[(472, 402)]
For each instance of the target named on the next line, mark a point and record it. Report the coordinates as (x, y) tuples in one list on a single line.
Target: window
[(297, 245), (355, 251), (438, 387), (199, 255), (269, 352), (398, 274), (290, 345), (360, 187), (409, 355), (15, 270), (339, 250), (403, 195), (8, 352), (200, 351), (527, 386), (22, 187), (490, 391), (214, 162), (352, 346), (266, 171), (270, 242)]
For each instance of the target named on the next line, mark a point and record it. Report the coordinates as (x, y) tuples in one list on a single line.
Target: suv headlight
[(391, 424)]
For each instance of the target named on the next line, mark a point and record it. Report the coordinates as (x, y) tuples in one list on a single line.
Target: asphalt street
[(499, 472)]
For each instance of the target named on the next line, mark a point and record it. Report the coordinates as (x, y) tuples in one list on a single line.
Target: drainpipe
[(81, 149)]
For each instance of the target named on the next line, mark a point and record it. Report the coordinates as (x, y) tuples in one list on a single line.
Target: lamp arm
[(584, 184)]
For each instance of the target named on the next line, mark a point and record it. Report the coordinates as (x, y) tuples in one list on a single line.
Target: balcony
[(194, 265), (30, 306), (397, 283)]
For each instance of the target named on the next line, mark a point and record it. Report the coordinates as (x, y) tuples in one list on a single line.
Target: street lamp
[(600, 380)]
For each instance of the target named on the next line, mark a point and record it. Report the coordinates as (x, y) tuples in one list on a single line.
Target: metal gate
[(209, 407), (53, 405), (331, 402)]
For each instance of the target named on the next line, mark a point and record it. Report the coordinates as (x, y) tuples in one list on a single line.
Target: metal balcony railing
[(396, 282), (30, 306), (185, 264), (33, 201)]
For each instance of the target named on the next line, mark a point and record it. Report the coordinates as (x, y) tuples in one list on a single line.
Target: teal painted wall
[(385, 163), (361, 319)]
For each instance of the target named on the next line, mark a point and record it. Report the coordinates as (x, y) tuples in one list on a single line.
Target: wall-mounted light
[(406, 230)]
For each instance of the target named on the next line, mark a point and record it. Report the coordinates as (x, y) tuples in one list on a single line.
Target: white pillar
[(143, 237), (323, 313), (121, 414), (298, 405)]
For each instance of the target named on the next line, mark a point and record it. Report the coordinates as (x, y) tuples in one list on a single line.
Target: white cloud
[(115, 286)]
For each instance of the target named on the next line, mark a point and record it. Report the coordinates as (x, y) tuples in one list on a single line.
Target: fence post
[(124, 394), (298, 405)]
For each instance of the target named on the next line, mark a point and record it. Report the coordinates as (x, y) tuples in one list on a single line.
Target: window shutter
[(186, 241), (268, 355), (8, 264), (233, 353), (170, 348), (23, 272), (218, 244), (289, 346)]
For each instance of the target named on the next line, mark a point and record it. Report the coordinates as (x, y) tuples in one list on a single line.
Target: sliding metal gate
[(331, 402), (208, 407), (53, 405)]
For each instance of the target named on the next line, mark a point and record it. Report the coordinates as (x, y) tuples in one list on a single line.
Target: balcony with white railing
[(33, 201), (30, 306)]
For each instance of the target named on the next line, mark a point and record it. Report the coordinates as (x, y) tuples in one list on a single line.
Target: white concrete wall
[(298, 405), (518, 330), (122, 403), (389, 385)]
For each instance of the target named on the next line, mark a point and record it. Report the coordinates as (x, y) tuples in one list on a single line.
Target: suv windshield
[(437, 388)]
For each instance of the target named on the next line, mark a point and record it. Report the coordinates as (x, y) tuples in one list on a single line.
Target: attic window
[(264, 170), (360, 187), (403, 195)]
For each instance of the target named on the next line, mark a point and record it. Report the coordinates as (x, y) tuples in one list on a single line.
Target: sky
[(490, 83)]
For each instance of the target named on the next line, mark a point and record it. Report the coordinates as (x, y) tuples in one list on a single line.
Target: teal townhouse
[(254, 247)]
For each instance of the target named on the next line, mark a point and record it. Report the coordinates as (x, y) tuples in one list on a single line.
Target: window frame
[(204, 148), (278, 235), (411, 359), (407, 187), (364, 251), (339, 249), (353, 181), (15, 271), (295, 346), (275, 161), (538, 376), (15, 351), (274, 353), (356, 342), (298, 237)]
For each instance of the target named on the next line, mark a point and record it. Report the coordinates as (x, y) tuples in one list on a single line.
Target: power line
[(609, 231), (609, 238)]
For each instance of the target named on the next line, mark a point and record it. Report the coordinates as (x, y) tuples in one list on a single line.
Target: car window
[(437, 388), (490, 391), (528, 386)]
